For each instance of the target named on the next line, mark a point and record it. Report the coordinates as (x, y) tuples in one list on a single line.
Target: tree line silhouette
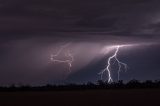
[(133, 84)]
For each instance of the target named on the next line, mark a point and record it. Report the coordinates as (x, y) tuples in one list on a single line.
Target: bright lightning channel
[(68, 54), (108, 67)]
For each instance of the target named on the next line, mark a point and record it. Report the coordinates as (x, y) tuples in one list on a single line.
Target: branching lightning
[(108, 67), (67, 54)]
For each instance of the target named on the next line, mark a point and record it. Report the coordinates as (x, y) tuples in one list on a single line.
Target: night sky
[(32, 30)]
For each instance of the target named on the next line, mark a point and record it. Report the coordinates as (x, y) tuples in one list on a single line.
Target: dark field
[(127, 97)]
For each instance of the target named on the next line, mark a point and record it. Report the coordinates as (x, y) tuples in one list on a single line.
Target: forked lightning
[(109, 63), (67, 54)]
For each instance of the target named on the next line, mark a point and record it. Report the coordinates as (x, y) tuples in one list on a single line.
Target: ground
[(129, 97)]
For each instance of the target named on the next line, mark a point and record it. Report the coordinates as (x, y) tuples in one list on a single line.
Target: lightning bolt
[(67, 54), (108, 67)]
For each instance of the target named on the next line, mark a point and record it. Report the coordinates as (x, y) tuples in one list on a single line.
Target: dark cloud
[(123, 17)]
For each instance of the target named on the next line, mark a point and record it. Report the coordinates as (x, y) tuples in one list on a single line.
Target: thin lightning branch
[(108, 70), (68, 54), (70, 61), (60, 50)]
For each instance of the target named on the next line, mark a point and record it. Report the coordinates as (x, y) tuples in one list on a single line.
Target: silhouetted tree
[(99, 85)]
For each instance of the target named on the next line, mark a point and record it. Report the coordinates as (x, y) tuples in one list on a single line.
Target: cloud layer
[(32, 30)]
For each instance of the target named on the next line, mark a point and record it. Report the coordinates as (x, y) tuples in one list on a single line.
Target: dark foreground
[(125, 97)]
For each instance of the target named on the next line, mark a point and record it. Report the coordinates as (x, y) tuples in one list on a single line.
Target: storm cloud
[(31, 30), (47, 17)]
